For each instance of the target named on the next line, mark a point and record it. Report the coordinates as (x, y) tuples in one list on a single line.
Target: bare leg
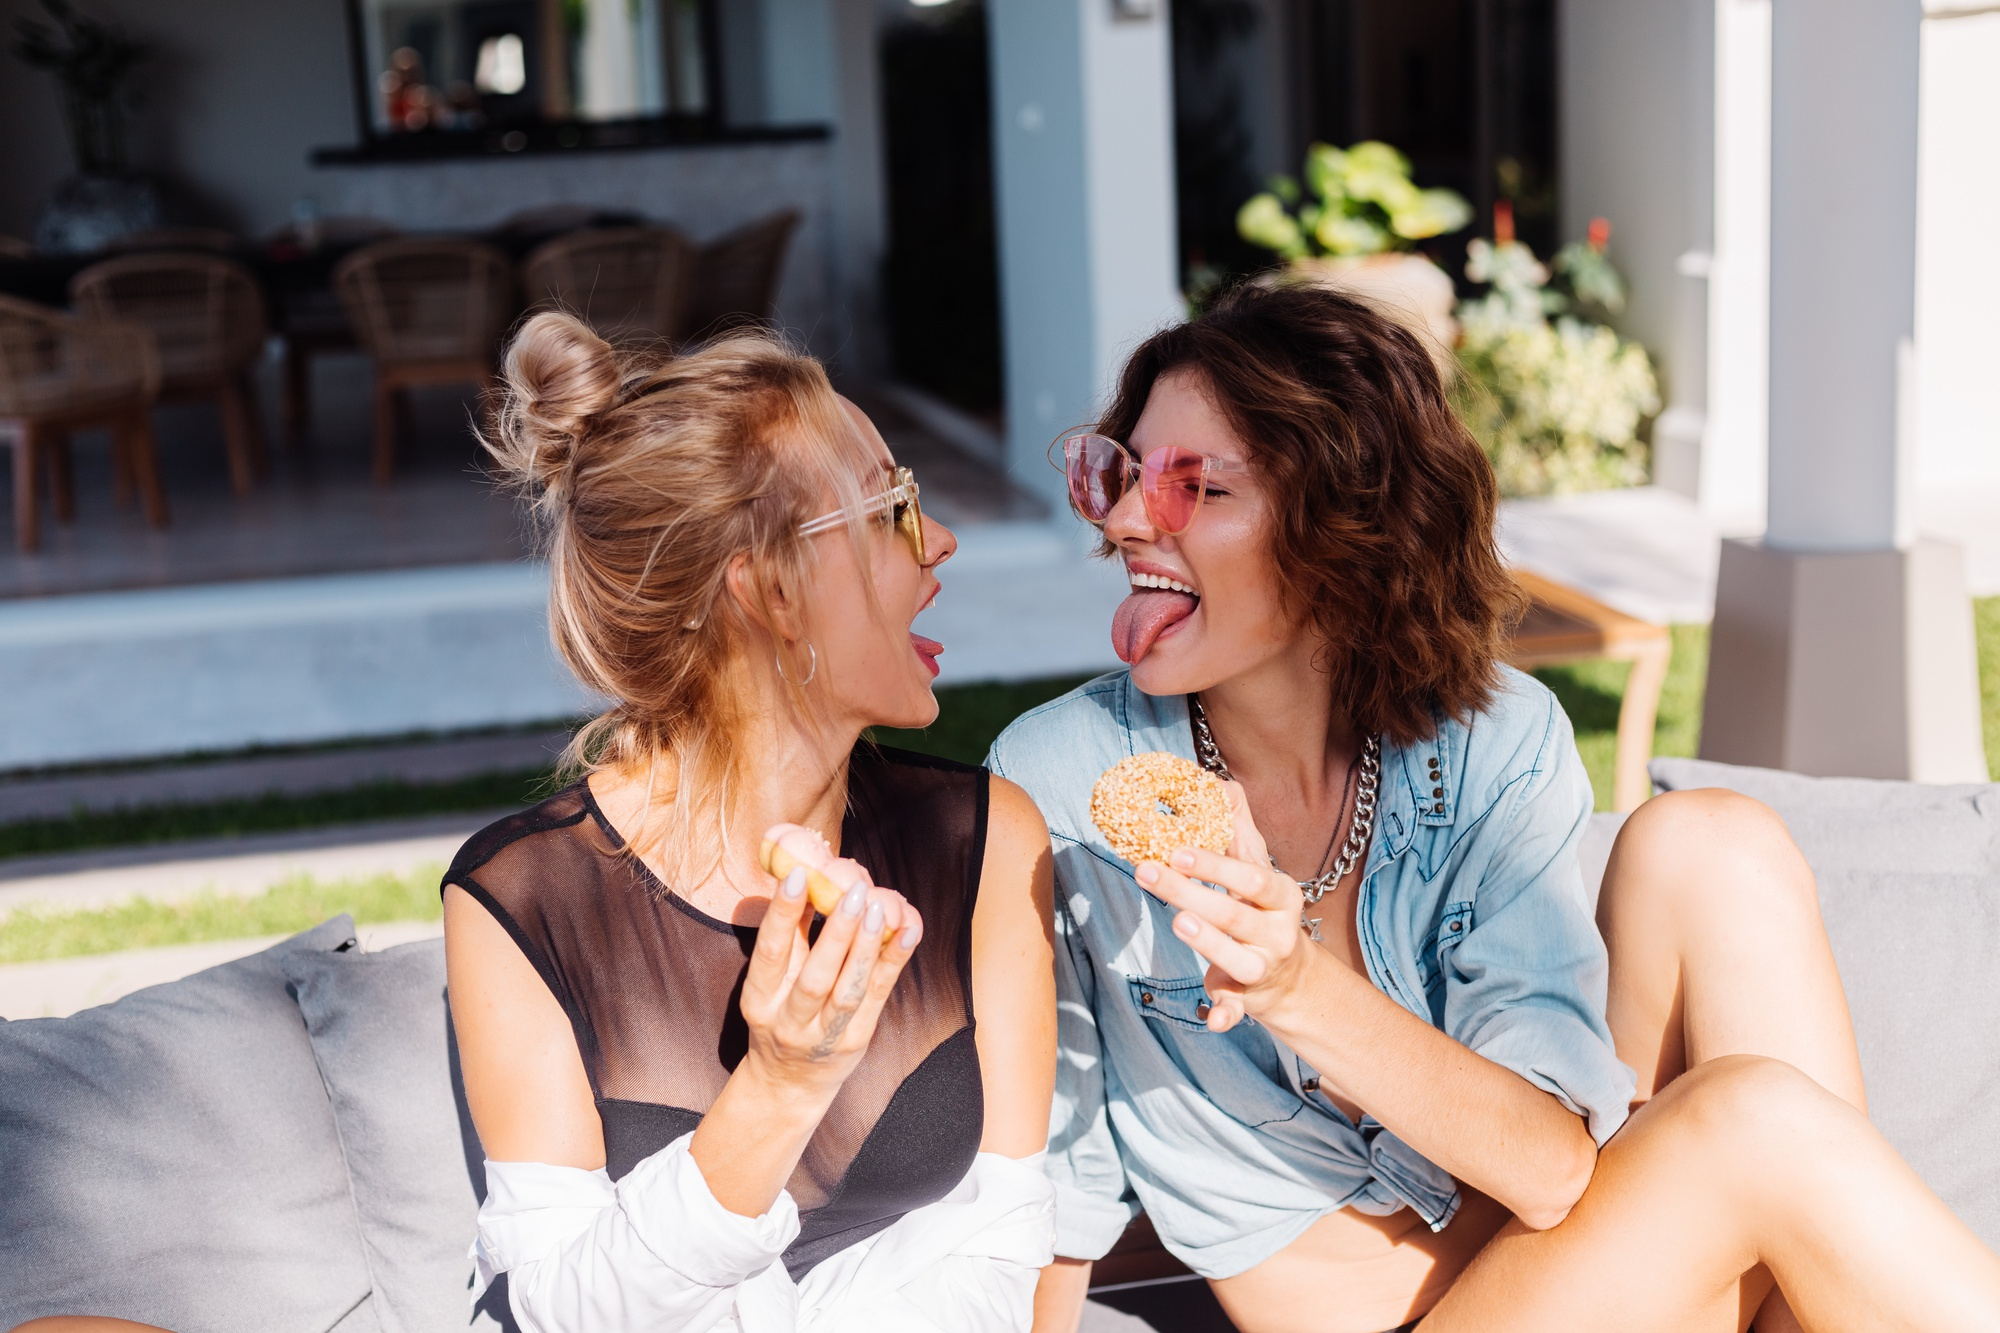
[(1740, 1169), (1717, 948)]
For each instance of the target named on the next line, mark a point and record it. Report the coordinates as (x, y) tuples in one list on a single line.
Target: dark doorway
[(941, 284), (1466, 88)]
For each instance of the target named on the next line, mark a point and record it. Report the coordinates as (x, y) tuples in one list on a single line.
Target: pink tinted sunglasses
[(1172, 480)]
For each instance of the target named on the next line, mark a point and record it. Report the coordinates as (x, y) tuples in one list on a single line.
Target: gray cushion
[(172, 1158), (377, 1022), (1909, 884)]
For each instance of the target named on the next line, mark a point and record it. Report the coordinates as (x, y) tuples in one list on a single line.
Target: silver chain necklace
[(1358, 830)]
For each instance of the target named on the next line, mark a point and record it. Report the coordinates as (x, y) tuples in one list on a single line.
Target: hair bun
[(559, 375)]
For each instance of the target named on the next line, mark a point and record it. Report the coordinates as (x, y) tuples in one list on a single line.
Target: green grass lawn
[(30, 935), (970, 717)]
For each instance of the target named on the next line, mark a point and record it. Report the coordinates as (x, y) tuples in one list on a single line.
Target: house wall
[(1637, 104), (1958, 284), (239, 93), (235, 97)]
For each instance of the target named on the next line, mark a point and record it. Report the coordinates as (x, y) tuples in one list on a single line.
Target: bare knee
[(1683, 847), (1742, 1110)]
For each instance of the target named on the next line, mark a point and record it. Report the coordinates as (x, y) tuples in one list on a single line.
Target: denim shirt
[(1471, 913)]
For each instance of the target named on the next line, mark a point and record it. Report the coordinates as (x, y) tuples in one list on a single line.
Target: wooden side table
[(1564, 624)]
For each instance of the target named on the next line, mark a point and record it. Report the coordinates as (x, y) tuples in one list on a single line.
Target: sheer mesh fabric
[(651, 986)]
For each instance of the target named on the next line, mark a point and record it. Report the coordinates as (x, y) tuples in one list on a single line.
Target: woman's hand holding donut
[(1249, 935), (811, 1006)]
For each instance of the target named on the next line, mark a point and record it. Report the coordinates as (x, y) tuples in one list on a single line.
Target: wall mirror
[(568, 70)]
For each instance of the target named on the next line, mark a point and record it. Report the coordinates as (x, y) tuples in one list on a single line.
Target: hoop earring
[(779, 658)]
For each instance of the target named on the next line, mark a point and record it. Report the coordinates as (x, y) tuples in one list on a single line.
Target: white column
[(1084, 174), (1842, 645), (1734, 446)]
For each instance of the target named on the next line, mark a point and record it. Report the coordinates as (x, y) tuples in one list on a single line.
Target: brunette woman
[(703, 1106), (1386, 1074)]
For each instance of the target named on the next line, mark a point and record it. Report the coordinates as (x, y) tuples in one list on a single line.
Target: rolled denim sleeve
[(1094, 1202), (1525, 986)]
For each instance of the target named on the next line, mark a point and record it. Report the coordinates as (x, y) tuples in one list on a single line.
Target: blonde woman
[(705, 1106)]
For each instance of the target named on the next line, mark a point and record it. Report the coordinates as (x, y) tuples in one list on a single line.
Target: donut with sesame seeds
[(1149, 804)]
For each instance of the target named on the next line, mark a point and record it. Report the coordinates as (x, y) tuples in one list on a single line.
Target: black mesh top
[(651, 986)]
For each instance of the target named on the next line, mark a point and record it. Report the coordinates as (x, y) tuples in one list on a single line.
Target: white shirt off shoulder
[(657, 1252)]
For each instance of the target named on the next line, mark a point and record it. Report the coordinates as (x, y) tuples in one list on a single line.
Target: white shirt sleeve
[(657, 1252)]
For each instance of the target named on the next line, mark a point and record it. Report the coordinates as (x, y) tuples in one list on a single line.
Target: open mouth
[(1157, 604)]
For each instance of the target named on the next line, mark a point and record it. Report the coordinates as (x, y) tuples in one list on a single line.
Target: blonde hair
[(649, 472)]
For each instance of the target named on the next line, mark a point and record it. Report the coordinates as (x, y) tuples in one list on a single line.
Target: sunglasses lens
[(1096, 470), (1171, 481)]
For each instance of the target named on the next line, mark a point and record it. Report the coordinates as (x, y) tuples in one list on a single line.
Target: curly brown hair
[(1385, 502)]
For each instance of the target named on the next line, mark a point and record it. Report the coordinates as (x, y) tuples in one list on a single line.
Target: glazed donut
[(788, 847), (1126, 807)]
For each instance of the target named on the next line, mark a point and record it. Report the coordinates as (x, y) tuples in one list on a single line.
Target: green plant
[(1362, 202), (91, 63), (1557, 404)]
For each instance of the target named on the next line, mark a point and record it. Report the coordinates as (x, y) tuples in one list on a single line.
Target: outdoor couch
[(276, 1145)]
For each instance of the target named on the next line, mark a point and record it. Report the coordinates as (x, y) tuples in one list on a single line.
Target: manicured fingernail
[(1186, 926), (1147, 874), (851, 905), (908, 936), (793, 886), (872, 923), (1183, 859)]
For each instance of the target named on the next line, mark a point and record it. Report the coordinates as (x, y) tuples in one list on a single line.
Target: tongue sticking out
[(1143, 617)]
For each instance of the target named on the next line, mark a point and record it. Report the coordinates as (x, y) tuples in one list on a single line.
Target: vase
[(89, 212), (1408, 288)]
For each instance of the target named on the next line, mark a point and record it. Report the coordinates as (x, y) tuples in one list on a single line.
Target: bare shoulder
[(524, 1077), (1013, 973), (1018, 870), (1013, 820)]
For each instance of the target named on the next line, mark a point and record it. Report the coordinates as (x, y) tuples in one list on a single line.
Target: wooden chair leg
[(62, 474), (236, 435), (1638, 712), (253, 411), (143, 458), (385, 429), (296, 404), (121, 466), (27, 493)]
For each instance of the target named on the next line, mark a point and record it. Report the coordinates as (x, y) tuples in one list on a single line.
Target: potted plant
[(1355, 223), (1557, 403), (92, 64)]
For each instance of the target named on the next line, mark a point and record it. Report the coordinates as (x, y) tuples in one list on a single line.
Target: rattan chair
[(207, 315), (736, 275), (429, 311), (626, 282), (60, 374)]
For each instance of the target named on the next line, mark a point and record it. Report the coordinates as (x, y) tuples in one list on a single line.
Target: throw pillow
[(1909, 885), (171, 1158), (378, 1028)]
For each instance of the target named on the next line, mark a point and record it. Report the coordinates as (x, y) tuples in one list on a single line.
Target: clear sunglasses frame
[(901, 499)]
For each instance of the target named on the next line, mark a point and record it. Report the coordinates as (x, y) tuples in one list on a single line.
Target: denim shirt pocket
[(1237, 1070)]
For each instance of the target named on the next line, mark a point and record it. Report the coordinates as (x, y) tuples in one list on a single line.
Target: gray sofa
[(275, 1145)]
